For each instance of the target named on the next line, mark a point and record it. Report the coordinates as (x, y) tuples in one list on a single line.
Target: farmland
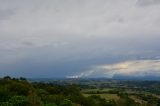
[(78, 92)]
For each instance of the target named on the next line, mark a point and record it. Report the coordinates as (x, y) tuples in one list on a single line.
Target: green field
[(137, 100), (97, 90), (105, 96)]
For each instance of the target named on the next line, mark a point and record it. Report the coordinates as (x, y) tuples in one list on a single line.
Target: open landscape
[(74, 92), (79, 52)]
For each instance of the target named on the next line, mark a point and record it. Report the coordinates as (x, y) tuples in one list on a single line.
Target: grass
[(95, 90), (105, 96), (136, 99)]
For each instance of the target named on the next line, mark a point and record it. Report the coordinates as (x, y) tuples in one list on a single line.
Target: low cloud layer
[(136, 68)]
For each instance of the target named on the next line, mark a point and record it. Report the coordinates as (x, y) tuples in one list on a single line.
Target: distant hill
[(123, 77)]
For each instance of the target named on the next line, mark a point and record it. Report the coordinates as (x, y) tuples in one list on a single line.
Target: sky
[(79, 38)]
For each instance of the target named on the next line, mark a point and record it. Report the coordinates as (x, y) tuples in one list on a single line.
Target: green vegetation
[(20, 92), (105, 96)]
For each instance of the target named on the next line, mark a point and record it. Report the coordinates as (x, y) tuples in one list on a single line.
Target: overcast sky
[(79, 38)]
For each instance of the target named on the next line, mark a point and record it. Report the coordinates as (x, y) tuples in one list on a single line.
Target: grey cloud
[(148, 2), (30, 44), (76, 34), (6, 13)]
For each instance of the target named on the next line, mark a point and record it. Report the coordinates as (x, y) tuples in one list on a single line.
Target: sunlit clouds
[(137, 68)]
